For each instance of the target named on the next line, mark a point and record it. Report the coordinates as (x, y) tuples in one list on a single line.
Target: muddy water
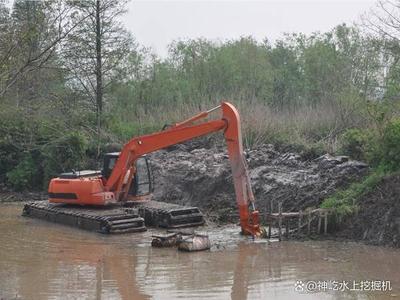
[(40, 260)]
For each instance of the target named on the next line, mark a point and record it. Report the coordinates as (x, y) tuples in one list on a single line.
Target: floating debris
[(168, 240), (196, 242), (185, 240)]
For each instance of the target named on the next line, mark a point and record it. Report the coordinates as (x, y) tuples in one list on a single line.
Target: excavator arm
[(187, 130)]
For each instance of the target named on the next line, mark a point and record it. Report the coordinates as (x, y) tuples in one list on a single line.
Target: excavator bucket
[(107, 220)]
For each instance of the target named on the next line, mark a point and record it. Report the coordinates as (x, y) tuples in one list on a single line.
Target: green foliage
[(24, 175), (378, 149), (344, 202), (391, 145), (300, 93), (34, 149), (67, 153), (382, 152), (125, 130), (354, 143)]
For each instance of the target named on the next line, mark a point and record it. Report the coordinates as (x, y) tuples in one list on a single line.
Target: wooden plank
[(285, 215)]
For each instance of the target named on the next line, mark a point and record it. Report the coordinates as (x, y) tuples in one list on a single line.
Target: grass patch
[(345, 202)]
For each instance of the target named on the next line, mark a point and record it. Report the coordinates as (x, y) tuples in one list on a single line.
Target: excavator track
[(117, 219), (168, 215), (108, 220)]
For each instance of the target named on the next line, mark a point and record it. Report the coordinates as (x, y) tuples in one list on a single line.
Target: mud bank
[(202, 177), (378, 219)]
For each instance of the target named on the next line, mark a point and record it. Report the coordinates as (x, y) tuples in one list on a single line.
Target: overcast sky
[(157, 23)]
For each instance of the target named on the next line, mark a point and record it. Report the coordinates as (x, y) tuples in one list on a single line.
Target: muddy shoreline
[(77, 264), (189, 174)]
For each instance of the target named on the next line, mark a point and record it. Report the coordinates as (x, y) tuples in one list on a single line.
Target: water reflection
[(43, 261), (40, 260)]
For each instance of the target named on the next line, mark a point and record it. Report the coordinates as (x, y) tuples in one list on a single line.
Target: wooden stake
[(280, 221), (269, 228), (309, 223), (326, 223), (271, 219), (319, 222), (287, 228), (299, 223)]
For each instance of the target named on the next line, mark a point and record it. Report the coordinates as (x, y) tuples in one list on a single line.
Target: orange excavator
[(118, 198)]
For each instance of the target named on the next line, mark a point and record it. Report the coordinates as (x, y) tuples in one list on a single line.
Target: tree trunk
[(99, 79)]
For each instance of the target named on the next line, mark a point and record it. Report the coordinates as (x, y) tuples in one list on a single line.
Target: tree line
[(73, 80)]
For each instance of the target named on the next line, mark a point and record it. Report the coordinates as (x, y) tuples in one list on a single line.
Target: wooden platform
[(302, 219)]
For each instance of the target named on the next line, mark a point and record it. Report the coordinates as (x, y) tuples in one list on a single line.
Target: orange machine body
[(83, 191), (98, 190)]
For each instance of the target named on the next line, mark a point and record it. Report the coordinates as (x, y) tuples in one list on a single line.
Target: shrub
[(391, 145), (354, 143), (24, 175), (66, 154)]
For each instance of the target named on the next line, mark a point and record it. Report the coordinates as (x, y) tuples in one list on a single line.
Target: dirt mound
[(202, 177), (378, 218)]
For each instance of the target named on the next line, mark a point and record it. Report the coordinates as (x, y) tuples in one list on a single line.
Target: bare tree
[(383, 22), (384, 19), (94, 51), (30, 37)]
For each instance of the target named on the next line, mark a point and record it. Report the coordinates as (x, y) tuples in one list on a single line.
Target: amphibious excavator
[(117, 199)]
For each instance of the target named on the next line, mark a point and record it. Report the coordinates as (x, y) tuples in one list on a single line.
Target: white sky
[(157, 23)]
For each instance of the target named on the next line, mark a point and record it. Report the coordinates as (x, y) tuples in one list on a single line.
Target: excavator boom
[(187, 130)]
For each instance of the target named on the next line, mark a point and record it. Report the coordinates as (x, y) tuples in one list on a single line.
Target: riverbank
[(377, 219), (201, 177), (188, 175)]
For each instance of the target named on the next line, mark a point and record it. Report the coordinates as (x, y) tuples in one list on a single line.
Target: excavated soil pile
[(378, 218), (202, 177)]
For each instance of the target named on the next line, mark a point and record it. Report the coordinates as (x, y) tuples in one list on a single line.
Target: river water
[(40, 260)]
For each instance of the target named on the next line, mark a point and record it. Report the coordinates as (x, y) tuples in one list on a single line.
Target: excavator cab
[(142, 183)]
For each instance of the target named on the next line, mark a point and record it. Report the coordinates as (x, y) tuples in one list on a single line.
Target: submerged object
[(168, 240), (196, 242), (185, 242)]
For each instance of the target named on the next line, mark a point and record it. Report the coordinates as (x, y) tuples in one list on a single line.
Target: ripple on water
[(40, 260)]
